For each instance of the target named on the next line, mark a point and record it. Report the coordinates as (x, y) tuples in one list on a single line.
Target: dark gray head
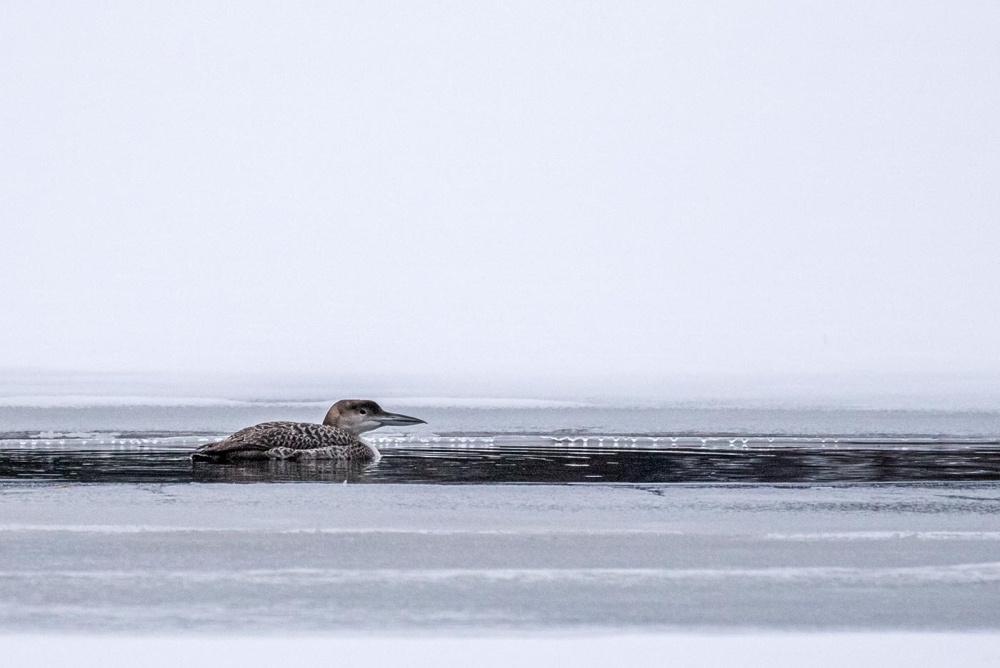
[(360, 415)]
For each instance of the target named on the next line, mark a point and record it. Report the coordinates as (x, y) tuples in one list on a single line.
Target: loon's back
[(287, 440)]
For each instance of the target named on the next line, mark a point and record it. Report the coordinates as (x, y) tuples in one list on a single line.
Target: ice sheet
[(328, 558)]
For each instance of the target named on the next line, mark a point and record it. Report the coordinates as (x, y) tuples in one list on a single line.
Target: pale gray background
[(556, 190)]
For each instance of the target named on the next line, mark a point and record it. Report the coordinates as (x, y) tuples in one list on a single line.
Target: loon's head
[(360, 415)]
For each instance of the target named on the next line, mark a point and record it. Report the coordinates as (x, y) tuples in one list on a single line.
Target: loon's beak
[(397, 420)]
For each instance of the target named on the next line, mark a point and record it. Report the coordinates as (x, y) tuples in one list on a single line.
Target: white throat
[(376, 455)]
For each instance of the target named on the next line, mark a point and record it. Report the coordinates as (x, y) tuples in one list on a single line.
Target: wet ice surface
[(570, 420), (308, 557), (676, 519)]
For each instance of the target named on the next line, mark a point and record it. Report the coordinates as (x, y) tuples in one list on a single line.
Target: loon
[(337, 438)]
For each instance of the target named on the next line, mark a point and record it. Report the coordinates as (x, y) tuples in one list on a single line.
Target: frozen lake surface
[(313, 557), (637, 520)]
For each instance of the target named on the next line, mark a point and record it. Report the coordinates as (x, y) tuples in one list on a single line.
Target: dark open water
[(523, 465)]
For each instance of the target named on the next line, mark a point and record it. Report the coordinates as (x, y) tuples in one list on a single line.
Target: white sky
[(557, 189)]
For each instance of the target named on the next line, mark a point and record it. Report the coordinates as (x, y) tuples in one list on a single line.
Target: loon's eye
[(363, 411)]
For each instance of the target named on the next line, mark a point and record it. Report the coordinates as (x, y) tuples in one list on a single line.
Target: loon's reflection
[(283, 470)]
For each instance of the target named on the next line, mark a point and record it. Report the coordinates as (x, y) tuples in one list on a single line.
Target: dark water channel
[(532, 461)]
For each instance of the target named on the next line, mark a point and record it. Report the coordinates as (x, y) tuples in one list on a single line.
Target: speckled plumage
[(288, 440)]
